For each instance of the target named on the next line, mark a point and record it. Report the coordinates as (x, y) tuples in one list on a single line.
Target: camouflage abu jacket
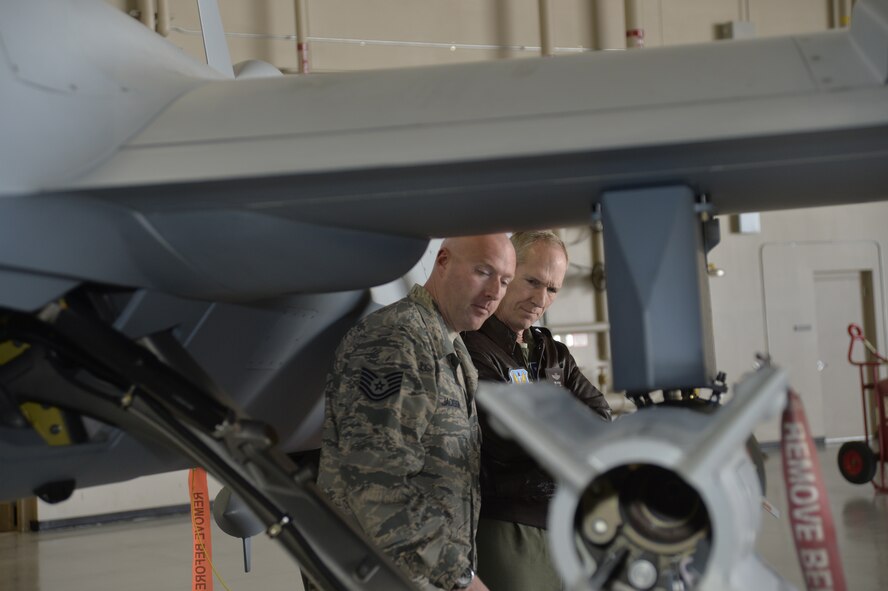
[(401, 442)]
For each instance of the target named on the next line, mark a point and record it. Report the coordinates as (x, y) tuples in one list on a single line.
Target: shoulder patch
[(376, 387), (554, 375)]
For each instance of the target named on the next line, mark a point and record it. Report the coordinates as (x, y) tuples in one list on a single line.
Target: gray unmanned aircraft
[(181, 250)]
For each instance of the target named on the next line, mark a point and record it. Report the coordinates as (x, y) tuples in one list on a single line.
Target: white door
[(811, 292), (841, 298)]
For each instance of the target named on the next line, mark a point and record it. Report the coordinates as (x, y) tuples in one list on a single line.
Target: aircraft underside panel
[(211, 254)]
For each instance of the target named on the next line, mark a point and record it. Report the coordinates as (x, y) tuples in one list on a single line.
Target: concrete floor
[(861, 520), (155, 554), (148, 555)]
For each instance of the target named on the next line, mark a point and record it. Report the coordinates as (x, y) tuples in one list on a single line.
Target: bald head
[(470, 278)]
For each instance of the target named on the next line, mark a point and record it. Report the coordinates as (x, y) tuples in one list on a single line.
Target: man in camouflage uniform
[(401, 444)]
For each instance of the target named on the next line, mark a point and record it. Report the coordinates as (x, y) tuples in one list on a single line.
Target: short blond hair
[(523, 241)]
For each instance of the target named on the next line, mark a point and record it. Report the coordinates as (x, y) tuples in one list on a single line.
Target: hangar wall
[(358, 35)]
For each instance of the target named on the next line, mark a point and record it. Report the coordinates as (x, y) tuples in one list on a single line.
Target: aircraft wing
[(131, 133), (381, 149)]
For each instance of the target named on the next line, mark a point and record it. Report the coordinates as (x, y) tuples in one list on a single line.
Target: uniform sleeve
[(385, 396), (582, 388)]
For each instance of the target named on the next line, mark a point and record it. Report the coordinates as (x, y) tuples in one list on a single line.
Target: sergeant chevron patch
[(377, 387)]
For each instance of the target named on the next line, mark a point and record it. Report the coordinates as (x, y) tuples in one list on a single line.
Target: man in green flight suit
[(516, 491)]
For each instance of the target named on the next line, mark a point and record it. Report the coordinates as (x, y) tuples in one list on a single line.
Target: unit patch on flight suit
[(519, 376), (377, 387)]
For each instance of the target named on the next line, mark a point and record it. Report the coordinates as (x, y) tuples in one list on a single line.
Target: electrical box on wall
[(747, 223)]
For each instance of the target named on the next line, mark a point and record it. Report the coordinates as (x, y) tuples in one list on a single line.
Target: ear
[(442, 259)]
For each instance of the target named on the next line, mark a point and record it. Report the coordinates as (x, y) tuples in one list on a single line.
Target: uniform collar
[(421, 296)]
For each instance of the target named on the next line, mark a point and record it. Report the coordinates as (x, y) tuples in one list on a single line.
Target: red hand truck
[(864, 461)]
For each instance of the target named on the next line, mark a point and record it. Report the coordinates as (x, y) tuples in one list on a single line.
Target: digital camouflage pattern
[(401, 441)]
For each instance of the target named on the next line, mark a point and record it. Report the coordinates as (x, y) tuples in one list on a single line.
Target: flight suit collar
[(503, 336)]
